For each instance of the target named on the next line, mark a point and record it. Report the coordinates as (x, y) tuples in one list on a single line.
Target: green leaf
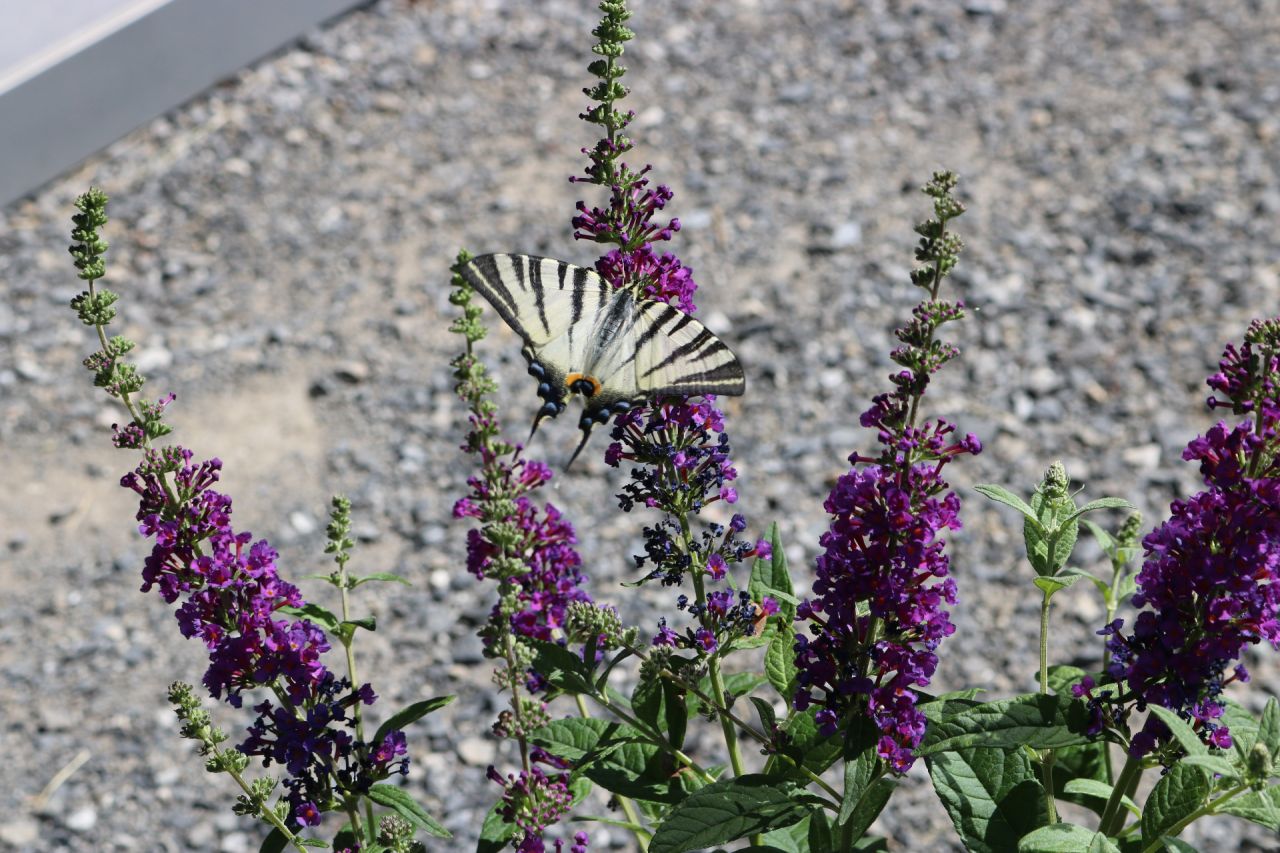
[(768, 717), (780, 664), (737, 685), (1215, 764), (404, 805), (773, 577), (1244, 728), (1101, 503), (1094, 793), (1066, 838), (409, 715), (1040, 722), (1002, 495), (788, 839), (1182, 733), (1260, 807), (808, 746), (615, 756), (821, 836), (316, 615), (1269, 729), (1177, 846), (495, 832), (675, 711), (725, 811), (1063, 677), (561, 667), (274, 842), (1057, 583), (385, 577), (646, 703), (861, 765), (369, 623), (576, 738), (992, 796), (1105, 541), (1072, 572), (872, 844), (1178, 793), (869, 805), (1076, 772)]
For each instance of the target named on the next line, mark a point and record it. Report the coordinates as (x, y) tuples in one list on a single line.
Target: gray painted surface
[(75, 75)]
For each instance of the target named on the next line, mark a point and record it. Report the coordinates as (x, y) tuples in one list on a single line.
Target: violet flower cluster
[(231, 596), (883, 580), (1210, 583)]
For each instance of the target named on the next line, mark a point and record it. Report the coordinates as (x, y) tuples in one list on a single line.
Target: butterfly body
[(613, 346)]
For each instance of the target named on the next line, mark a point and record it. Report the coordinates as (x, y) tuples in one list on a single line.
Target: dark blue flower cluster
[(1210, 583), (231, 595)]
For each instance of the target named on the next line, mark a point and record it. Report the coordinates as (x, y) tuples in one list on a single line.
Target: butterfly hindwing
[(678, 356)]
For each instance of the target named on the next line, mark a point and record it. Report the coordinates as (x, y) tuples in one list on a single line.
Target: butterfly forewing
[(539, 298)]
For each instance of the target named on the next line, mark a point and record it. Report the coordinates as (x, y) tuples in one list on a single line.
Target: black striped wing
[(678, 356), (539, 298)]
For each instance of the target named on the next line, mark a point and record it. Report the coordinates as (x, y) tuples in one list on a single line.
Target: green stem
[(349, 646), (1047, 756), (267, 814), (1113, 814), (713, 664), (628, 808)]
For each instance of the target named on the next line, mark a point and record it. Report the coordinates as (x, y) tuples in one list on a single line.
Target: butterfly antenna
[(586, 434)]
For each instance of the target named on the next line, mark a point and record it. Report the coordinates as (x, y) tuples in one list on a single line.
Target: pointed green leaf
[(1101, 503), (675, 711), (1244, 728), (808, 746), (1175, 845), (789, 839), (1002, 495), (561, 667), (316, 615), (1269, 729), (1040, 722), (1056, 583), (768, 717), (727, 810), (992, 796), (1094, 793), (406, 717), (773, 577), (780, 664), (1105, 542), (821, 835), (1077, 770), (404, 805), (384, 577), (1181, 791), (1066, 838), (495, 832), (1214, 764), (1181, 731), (1260, 807), (868, 806)]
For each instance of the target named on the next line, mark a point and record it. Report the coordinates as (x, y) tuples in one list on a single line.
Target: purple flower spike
[(1210, 583)]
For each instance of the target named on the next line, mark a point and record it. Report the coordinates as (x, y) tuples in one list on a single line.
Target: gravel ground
[(282, 244)]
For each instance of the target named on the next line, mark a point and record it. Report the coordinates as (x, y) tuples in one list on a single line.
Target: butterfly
[(613, 346)]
